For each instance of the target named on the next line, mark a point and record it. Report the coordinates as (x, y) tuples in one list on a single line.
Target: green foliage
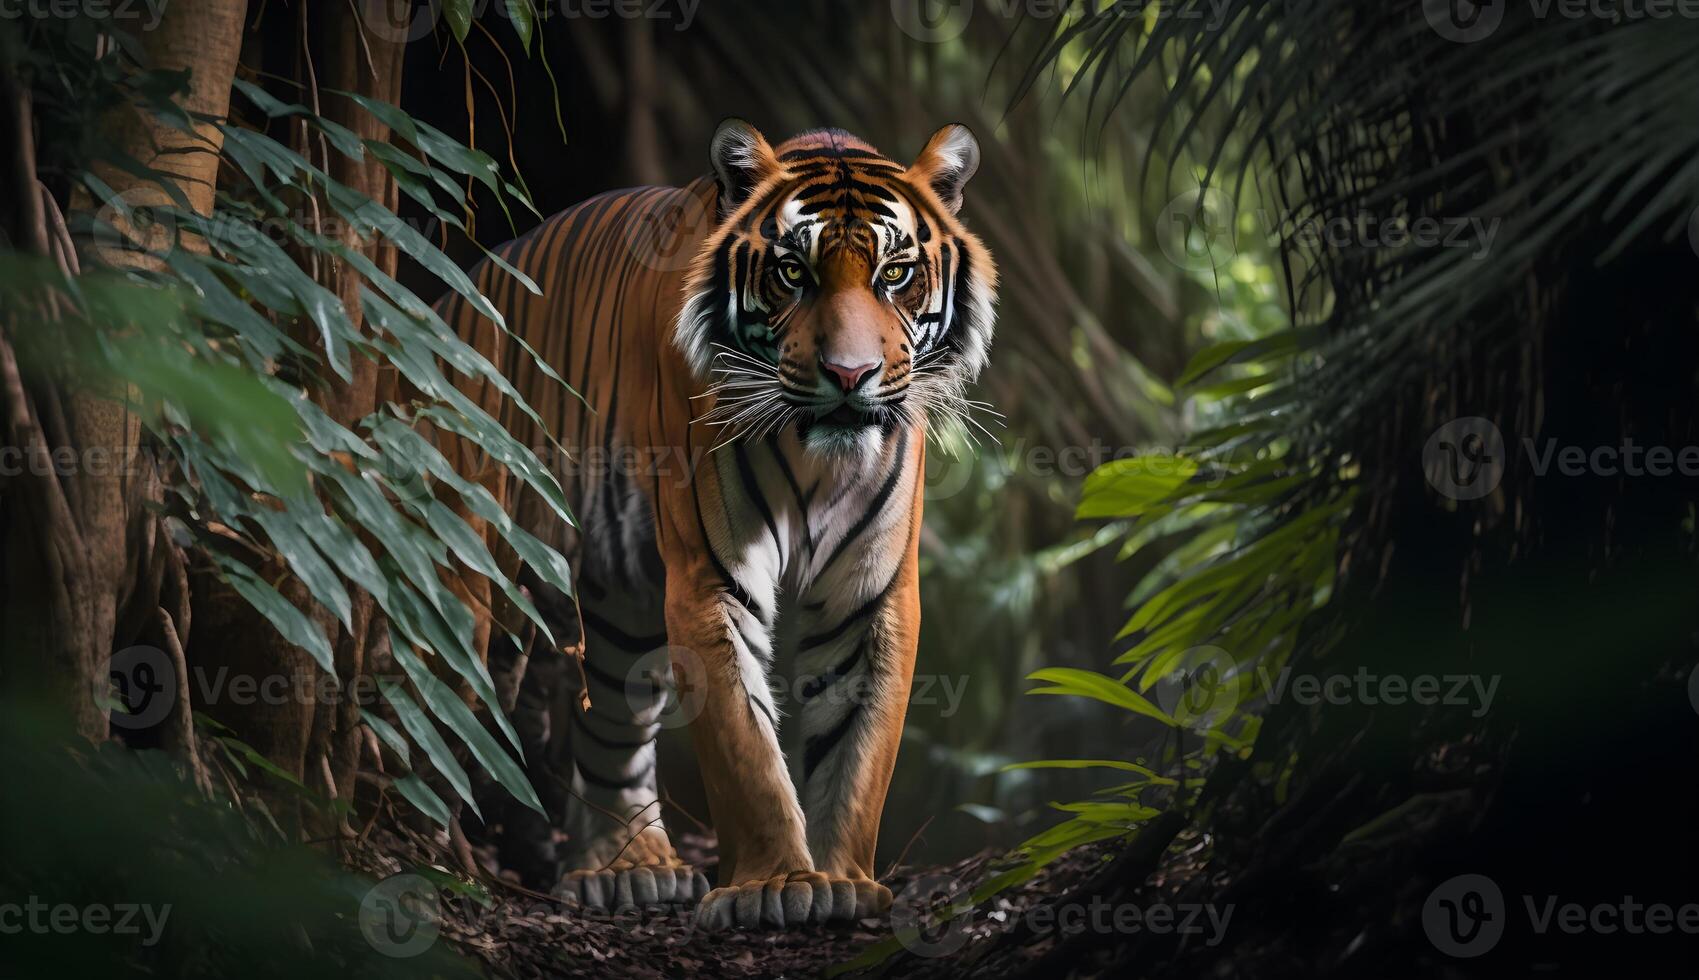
[(228, 898), (1250, 540), (190, 326), (1248, 561)]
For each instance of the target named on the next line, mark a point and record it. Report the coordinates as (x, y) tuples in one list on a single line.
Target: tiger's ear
[(950, 158), (742, 159)]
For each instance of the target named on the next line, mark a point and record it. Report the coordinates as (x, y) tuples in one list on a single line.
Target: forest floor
[(527, 934)]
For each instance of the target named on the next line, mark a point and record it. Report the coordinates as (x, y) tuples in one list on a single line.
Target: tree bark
[(370, 66), (78, 545)]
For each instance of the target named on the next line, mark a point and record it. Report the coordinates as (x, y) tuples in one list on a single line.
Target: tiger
[(777, 339)]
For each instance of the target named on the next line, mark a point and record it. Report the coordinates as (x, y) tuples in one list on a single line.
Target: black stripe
[(846, 153), (947, 309), (801, 499), (879, 501), (579, 719), (762, 707), (605, 247), (606, 783), (752, 488), (512, 305), (737, 592), (586, 217), (617, 683), (820, 746), (812, 687), (958, 287), (620, 638), (821, 639)]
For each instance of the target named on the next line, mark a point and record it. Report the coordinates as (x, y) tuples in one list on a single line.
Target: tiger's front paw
[(633, 887), (791, 900)]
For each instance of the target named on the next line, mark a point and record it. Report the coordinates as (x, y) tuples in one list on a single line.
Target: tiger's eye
[(791, 271), (896, 275)]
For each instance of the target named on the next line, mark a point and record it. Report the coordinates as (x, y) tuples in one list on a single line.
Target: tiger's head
[(838, 293)]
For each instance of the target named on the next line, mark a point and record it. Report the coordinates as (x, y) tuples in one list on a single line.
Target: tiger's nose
[(848, 377)]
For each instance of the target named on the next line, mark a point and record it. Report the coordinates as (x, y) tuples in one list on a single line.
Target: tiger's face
[(839, 293)]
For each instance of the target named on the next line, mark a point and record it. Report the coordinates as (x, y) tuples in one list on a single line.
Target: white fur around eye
[(895, 284)]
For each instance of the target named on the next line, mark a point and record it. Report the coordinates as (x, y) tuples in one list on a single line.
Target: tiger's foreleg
[(855, 662), (618, 854), (853, 697), (722, 647), (790, 860)]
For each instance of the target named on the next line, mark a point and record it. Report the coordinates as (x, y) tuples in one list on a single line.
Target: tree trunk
[(371, 67), (315, 739), (84, 561)]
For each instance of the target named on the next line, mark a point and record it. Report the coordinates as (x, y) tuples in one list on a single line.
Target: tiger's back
[(610, 272)]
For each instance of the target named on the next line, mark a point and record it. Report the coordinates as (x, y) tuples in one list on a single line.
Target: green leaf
[(1208, 359), (1130, 487), (291, 622), (424, 732), (1154, 778), (459, 718), (387, 734), (414, 791), (295, 546), (1105, 812), (1089, 684), (524, 21), (458, 13)]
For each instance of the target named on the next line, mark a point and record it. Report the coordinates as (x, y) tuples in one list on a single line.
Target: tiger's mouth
[(847, 416)]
